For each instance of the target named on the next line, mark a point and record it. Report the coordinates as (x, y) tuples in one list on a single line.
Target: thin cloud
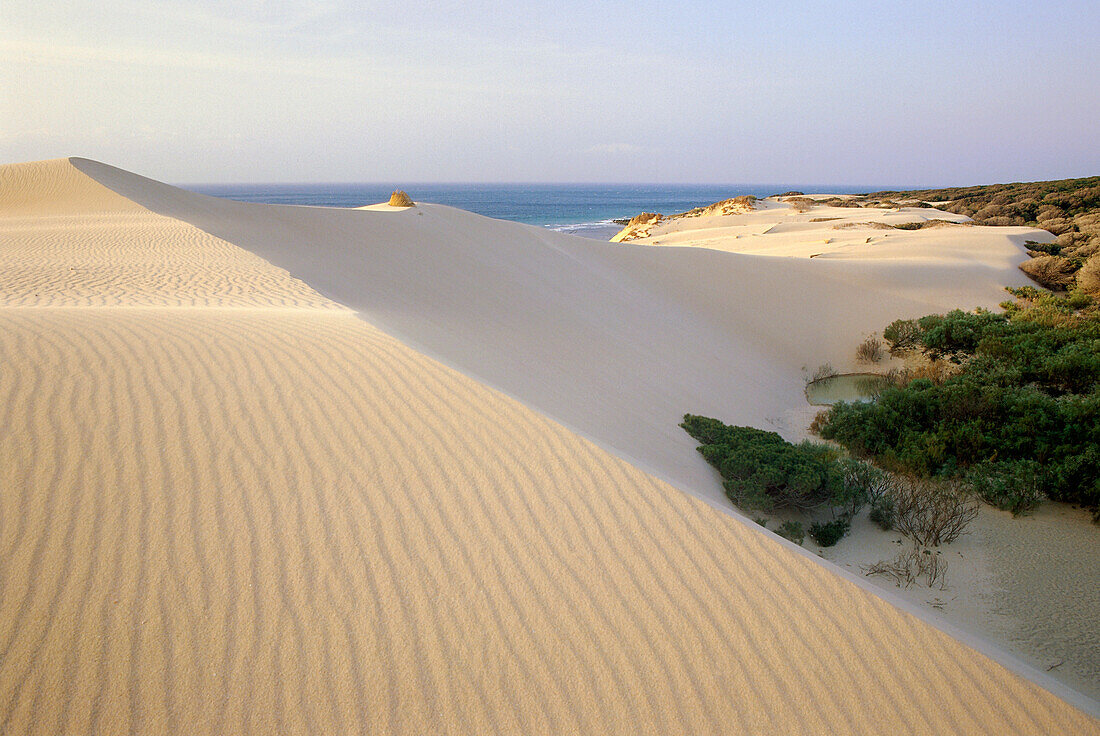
[(617, 149)]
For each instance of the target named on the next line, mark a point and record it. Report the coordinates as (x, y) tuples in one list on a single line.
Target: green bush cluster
[(883, 512), (828, 533), (1020, 419), (761, 470), (1013, 486), (791, 530)]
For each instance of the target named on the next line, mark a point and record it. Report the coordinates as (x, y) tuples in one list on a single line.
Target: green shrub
[(791, 530), (882, 512), (1051, 249), (860, 483), (869, 351), (761, 470), (1014, 487), (829, 533), (866, 484), (956, 334), (902, 335), (1026, 394)]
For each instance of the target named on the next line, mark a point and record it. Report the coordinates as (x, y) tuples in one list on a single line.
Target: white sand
[(1031, 583), (616, 341), (231, 506)]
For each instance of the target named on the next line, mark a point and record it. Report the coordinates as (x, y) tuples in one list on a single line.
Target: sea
[(588, 210)]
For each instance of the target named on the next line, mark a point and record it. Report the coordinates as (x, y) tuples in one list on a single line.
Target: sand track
[(271, 520)]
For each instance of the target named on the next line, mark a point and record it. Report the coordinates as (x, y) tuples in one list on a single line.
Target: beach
[(415, 470)]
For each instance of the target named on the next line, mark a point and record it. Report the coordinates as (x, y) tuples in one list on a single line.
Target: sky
[(839, 92)]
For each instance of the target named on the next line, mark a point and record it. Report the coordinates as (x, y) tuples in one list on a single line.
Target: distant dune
[(232, 504)]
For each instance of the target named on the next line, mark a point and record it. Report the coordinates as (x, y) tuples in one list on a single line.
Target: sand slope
[(774, 228), (67, 241), (616, 341), (219, 518)]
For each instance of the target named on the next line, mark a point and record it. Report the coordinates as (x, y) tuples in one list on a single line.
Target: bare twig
[(910, 566), (932, 513)]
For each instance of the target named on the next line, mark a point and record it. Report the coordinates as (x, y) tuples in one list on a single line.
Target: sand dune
[(617, 341), (100, 249), (268, 516), (862, 233)]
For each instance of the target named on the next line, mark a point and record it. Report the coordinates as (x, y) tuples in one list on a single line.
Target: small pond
[(845, 387)]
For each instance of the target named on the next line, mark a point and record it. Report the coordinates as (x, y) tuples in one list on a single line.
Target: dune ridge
[(616, 341), (259, 519), (101, 249)]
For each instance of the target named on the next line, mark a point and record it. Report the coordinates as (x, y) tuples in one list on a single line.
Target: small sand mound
[(641, 226), (400, 199), (644, 219), (638, 227), (873, 224), (34, 190), (944, 223), (799, 204), (733, 206)]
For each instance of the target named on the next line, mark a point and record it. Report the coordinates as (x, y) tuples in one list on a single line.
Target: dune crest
[(80, 244), (36, 188), (638, 226), (617, 341)]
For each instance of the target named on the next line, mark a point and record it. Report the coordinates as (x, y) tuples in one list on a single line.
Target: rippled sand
[(229, 505)]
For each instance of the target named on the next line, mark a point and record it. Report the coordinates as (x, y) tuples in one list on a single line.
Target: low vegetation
[(1068, 209), (932, 512), (928, 224), (870, 350), (883, 512), (911, 565), (823, 371), (799, 204), (828, 533), (762, 471), (1008, 403), (791, 530)]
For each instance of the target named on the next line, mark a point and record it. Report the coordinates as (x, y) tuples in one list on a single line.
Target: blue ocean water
[(582, 209)]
